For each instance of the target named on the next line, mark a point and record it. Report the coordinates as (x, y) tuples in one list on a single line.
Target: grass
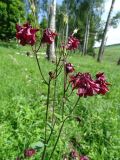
[(22, 107)]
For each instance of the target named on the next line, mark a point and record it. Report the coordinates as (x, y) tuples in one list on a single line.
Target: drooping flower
[(69, 68), (26, 34), (103, 84), (100, 76), (75, 80), (52, 75), (29, 152), (85, 84), (48, 36), (84, 158), (73, 154), (72, 44)]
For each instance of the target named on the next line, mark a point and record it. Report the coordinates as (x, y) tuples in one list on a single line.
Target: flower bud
[(29, 152)]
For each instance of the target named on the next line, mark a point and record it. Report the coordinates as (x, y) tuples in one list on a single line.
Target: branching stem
[(61, 128)]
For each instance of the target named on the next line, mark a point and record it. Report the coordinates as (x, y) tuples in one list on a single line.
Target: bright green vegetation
[(11, 12), (22, 107)]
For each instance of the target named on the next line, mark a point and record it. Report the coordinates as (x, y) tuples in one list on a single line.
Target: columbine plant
[(82, 83)]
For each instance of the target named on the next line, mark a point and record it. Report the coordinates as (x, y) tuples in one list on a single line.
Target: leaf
[(37, 145), (58, 116)]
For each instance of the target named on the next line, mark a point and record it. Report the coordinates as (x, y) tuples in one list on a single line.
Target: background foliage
[(11, 12)]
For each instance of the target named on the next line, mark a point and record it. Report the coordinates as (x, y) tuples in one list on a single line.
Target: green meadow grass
[(22, 106)]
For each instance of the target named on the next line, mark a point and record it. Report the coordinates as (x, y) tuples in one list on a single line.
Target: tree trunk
[(101, 49), (83, 50), (67, 23), (86, 36), (67, 29), (52, 14)]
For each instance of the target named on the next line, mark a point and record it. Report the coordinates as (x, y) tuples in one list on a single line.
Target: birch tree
[(86, 36), (51, 24), (101, 49)]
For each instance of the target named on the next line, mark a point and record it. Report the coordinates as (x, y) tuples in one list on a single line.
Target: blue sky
[(59, 1)]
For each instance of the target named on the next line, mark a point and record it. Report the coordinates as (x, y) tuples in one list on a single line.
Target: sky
[(113, 35), (59, 1)]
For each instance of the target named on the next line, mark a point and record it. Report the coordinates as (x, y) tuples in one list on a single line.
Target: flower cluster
[(86, 86), (26, 34), (48, 36), (101, 81), (72, 44), (69, 68)]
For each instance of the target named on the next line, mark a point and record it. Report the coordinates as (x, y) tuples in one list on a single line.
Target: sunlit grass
[(22, 106)]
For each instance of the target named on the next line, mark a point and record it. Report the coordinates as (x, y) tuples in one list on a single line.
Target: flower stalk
[(61, 128), (82, 82), (46, 120), (39, 67)]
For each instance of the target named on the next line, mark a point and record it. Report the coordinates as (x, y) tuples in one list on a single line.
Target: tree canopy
[(11, 12)]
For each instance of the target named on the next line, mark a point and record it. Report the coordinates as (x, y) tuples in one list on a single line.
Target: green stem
[(57, 139), (75, 105), (62, 128), (54, 99), (64, 90), (46, 120), (70, 93), (51, 132), (67, 87), (39, 67)]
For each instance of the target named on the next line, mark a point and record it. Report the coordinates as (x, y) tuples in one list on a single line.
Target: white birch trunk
[(67, 25), (52, 14), (86, 36)]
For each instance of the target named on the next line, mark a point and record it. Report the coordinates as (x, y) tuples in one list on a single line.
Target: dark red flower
[(29, 152), (69, 68), (26, 34), (48, 36), (84, 158), (85, 84), (72, 44), (103, 84), (73, 154), (100, 76)]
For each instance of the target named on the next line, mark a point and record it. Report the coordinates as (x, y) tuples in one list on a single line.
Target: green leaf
[(58, 116), (37, 145)]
